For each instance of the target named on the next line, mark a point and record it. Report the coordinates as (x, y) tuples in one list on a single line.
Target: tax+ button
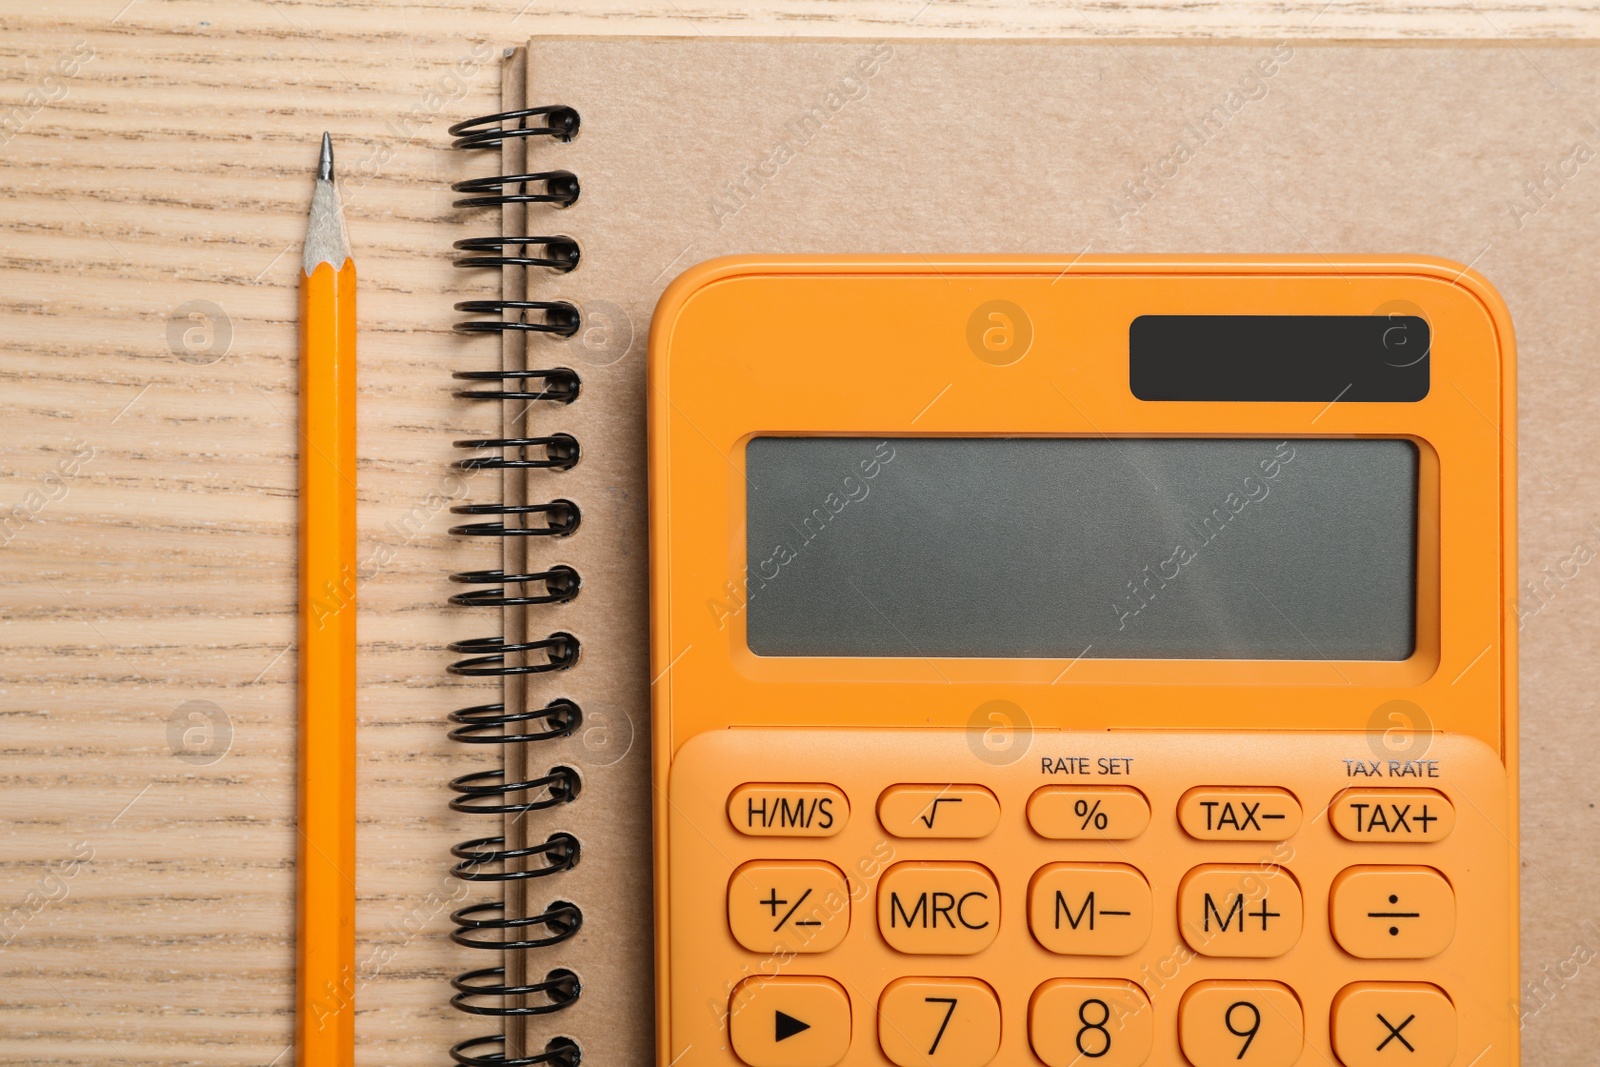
[(1391, 815)]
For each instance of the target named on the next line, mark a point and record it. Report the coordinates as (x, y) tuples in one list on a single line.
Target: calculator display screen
[(1164, 548)]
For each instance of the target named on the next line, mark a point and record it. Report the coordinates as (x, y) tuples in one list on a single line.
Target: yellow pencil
[(326, 900)]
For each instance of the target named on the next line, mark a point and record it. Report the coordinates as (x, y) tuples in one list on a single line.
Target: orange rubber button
[(793, 905), (1088, 813), (1227, 1023), (938, 811), (1380, 1023), (1392, 913), (1073, 1022), (1090, 909), (1407, 815), (1254, 910), (789, 1022), (939, 1022), (938, 908), (788, 810), (1233, 813)]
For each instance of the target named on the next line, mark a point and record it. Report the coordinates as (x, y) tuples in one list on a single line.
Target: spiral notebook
[(622, 161)]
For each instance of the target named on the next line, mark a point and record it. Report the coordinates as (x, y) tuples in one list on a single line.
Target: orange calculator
[(1097, 661)]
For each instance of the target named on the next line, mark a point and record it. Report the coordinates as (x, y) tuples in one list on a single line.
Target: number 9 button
[(1257, 1024)]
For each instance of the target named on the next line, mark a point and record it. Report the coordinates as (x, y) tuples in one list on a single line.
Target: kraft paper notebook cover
[(688, 148)]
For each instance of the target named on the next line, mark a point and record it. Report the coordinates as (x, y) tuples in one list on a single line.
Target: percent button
[(1088, 813)]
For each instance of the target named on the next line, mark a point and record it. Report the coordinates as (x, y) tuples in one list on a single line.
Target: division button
[(951, 811), (788, 810), (939, 1022), (794, 1021), (1392, 913), (932, 908), (1382, 815), (788, 905), (1253, 910), (1235, 813), (1088, 813), (1075, 1022), (1380, 1023), (1232, 1022), (1090, 909)]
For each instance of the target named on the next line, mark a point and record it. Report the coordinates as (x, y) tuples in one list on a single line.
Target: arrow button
[(789, 1021), (786, 1026)]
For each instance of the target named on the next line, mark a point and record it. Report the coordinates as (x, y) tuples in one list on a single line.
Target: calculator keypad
[(876, 915)]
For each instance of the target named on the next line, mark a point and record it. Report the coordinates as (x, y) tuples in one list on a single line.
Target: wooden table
[(157, 161)]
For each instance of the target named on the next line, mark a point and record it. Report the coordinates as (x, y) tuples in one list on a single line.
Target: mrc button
[(793, 809), (1239, 813), (1406, 815), (931, 908)]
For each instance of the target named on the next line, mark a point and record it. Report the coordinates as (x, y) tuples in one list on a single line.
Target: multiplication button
[(1234, 813), (1088, 813), (798, 905), (1380, 1023)]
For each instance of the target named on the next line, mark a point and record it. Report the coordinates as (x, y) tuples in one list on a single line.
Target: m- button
[(1228, 813), (1392, 815), (1252, 911), (1090, 909), (1381, 1023), (795, 1021), (938, 908)]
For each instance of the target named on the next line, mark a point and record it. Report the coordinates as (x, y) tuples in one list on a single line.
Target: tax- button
[(1392, 913), (1381, 1023), (1073, 1022), (1224, 1023), (1088, 813), (796, 1021), (1403, 815), (938, 908), (1227, 813), (799, 905), (938, 811), (788, 810), (939, 1022), (1090, 909), (1252, 911)]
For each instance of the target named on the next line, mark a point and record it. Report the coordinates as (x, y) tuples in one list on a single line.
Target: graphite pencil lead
[(325, 164)]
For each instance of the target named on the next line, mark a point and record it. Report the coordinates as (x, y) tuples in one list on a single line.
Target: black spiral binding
[(487, 926)]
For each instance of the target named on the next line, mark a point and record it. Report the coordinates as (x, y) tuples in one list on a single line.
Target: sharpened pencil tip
[(325, 164)]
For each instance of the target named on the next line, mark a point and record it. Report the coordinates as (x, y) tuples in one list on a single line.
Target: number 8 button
[(1077, 1021), (1257, 1024)]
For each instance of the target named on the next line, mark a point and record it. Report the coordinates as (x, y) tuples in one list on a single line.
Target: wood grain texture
[(157, 155)]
